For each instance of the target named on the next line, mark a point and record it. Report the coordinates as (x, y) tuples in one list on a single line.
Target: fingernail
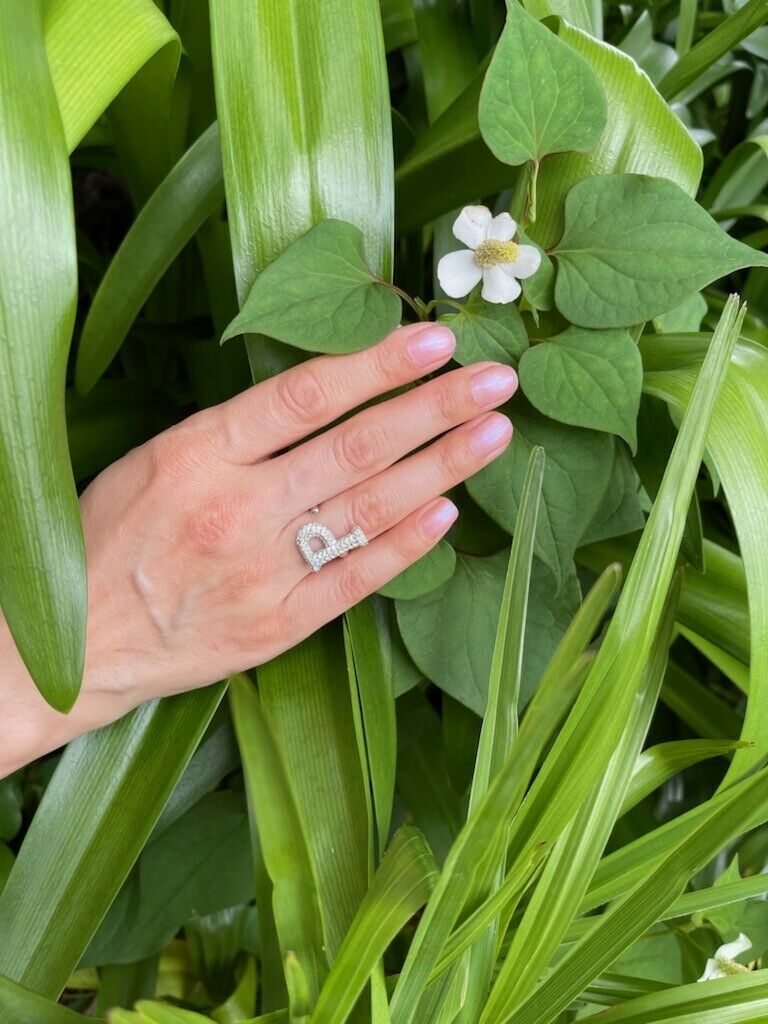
[(492, 432), (430, 345), (438, 518), (494, 384)]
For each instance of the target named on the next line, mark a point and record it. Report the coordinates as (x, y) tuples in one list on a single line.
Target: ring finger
[(386, 499)]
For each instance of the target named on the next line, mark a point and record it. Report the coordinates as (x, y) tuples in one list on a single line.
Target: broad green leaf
[(322, 280), (578, 468), (736, 441), (148, 1012), (586, 15), (281, 836), (400, 888), (718, 42), (166, 222), (370, 628), (742, 998), (654, 58), (487, 330), (449, 632), (23, 1006), (428, 573), (539, 96), (306, 135), (586, 378), (42, 559), (97, 813), (634, 247), (306, 700), (685, 317), (94, 51), (177, 877)]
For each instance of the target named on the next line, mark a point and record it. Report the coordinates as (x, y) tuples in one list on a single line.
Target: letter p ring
[(332, 546)]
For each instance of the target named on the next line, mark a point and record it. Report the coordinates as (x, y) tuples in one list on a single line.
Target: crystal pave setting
[(332, 547)]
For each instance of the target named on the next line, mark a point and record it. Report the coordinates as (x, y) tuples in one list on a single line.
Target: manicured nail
[(437, 519), (494, 384), (491, 433), (430, 345)]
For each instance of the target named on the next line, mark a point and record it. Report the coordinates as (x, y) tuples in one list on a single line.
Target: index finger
[(286, 408)]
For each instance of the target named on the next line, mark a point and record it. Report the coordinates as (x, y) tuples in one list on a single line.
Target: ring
[(333, 547)]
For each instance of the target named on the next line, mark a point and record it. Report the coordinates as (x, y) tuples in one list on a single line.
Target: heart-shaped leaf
[(449, 632), (428, 573), (319, 295), (539, 96), (586, 378), (577, 471), (634, 247), (487, 330)]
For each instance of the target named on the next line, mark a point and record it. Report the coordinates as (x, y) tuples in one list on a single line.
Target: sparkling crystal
[(332, 547)]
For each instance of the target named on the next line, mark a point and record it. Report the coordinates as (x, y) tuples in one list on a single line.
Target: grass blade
[(25, 1007)]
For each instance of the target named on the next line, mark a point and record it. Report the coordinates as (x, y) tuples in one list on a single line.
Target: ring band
[(333, 547)]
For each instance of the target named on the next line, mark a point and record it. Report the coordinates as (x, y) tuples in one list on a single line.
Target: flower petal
[(502, 228), (527, 262), (470, 226), (458, 273), (731, 950), (499, 286), (712, 971)]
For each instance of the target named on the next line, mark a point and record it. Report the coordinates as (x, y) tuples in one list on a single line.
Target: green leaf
[(42, 559), (94, 52), (281, 836), (449, 632), (487, 330), (743, 998), (736, 443), (148, 1012), (11, 802), (653, 57), (635, 247), (166, 222), (322, 280), (577, 472), (539, 95), (586, 378), (620, 511), (97, 813), (400, 888), (177, 877), (23, 1006), (426, 574), (586, 15)]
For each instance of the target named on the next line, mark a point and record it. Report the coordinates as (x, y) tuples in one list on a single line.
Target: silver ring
[(333, 547)]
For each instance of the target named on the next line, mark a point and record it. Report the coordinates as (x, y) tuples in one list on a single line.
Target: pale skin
[(193, 570)]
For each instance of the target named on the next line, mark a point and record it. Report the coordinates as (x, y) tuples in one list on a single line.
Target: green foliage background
[(505, 788)]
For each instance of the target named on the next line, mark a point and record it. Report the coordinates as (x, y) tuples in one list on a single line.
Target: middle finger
[(375, 438)]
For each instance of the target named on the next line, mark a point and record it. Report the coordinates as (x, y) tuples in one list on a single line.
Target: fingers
[(375, 438), (299, 401), (322, 596), (387, 498)]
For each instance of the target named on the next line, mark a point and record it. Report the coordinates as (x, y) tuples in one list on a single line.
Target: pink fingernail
[(430, 344), (494, 384), (491, 433), (438, 518)]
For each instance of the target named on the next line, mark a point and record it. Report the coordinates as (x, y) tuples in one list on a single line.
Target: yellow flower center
[(731, 967), (491, 253)]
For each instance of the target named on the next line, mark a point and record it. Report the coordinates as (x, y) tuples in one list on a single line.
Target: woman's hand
[(193, 568)]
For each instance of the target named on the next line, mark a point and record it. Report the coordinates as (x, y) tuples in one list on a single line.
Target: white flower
[(492, 256), (723, 964)]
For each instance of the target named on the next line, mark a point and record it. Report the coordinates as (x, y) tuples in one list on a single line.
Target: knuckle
[(169, 455), (369, 509), (353, 582), (211, 528), (390, 361), (303, 395), (357, 447), (448, 400), (454, 459)]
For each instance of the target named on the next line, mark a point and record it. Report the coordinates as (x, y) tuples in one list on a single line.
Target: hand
[(193, 567)]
